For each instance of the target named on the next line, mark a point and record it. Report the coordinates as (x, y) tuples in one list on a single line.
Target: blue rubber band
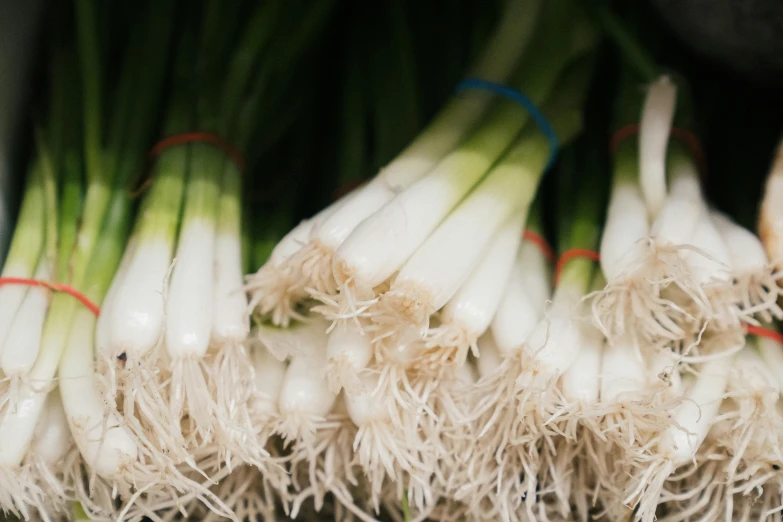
[(519, 97)]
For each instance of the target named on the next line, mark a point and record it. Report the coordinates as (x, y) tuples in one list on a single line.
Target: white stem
[(269, 373), (554, 343), (191, 294), (102, 339), (654, 128), (693, 417), (335, 228), (535, 271), (713, 263), (135, 325), (11, 297), (305, 392), (677, 220), (685, 181), (230, 320), (623, 373), (622, 241), (99, 434), (679, 215), (750, 371), (771, 215), (524, 300), (475, 303), (52, 438), (582, 382), (445, 259), (17, 425), (745, 248), (349, 344), (382, 243), (298, 236), (24, 337)]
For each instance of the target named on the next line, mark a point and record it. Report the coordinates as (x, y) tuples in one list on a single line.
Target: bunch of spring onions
[(414, 350), (70, 232), (378, 300), (697, 434), (172, 362)]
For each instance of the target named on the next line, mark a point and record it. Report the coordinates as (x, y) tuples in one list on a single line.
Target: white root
[(390, 445), (654, 296), (273, 289)]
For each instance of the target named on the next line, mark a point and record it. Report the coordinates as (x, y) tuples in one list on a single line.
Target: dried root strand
[(312, 265), (405, 307), (274, 293), (349, 304), (652, 299), (756, 294)]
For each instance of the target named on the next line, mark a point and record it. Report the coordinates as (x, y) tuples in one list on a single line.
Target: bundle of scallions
[(146, 405), (414, 350)]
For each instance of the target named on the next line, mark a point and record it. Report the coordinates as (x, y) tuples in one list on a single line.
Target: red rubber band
[(764, 332), (574, 253), (192, 137), (538, 240), (685, 136), (56, 287)]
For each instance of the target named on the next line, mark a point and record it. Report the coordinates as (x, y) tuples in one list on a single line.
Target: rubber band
[(764, 332), (539, 240), (56, 287), (526, 103), (574, 253), (685, 136), (191, 137)]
